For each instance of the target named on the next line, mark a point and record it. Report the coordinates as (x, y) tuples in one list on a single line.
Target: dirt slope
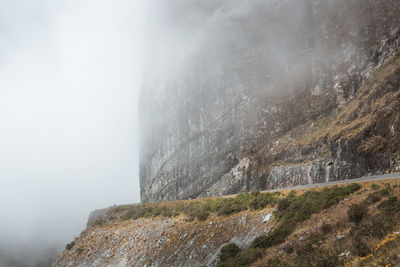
[(123, 238)]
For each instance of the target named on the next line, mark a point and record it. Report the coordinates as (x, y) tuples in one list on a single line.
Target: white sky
[(70, 71)]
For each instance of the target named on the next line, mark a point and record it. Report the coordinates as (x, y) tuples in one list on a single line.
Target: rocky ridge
[(326, 236), (162, 241)]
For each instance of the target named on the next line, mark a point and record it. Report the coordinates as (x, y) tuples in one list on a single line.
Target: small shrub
[(283, 204), (261, 242), (99, 222), (276, 237), (308, 254), (376, 227), (227, 208), (257, 201), (328, 260), (390, 206), (305, 249), (195, 210), (289, 249), (384, 192), (326, 228), (69, 246), (375, 187), (247, 257), (352, 188), (373, 198), (276, 263), (357, 212), (360, 248), (228, 251), (203, 215)]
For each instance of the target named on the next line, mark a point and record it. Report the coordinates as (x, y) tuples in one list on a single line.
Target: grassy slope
[(291, 211), (320, 240), (365, 122), (312, 227), (370, 113), (339, 237)]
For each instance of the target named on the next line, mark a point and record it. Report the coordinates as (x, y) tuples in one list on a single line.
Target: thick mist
[(225, 79), (70, 72)]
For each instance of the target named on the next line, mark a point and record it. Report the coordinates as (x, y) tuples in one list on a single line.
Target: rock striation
[(242, 96), (162, 241)]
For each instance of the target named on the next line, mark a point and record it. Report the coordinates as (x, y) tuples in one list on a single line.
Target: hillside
[(242, 97), (346, 225), (267, 94)]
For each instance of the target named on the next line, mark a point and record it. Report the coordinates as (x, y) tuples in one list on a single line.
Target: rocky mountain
[(241, 96), (244, 95)]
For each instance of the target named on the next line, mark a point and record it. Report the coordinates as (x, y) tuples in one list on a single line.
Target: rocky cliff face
[(267, 94)]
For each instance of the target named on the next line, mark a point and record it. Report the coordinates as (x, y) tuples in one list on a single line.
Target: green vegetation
[(373, 198), (292, 210), (230, 256), (375, 187), (228, 251), (99, 222), (390, 206), (79, 250), (69, 246), (357, 212), (202, 209), (326, 228), (376, 196), (387, 255), (311, 254), (366, 228)]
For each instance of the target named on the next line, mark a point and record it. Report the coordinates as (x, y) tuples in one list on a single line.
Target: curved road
[(348, 181)]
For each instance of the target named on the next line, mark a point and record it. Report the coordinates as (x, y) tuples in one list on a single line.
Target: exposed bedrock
[(242, 96)]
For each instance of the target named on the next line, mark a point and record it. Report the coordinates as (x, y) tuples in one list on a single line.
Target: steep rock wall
[(232, 90)]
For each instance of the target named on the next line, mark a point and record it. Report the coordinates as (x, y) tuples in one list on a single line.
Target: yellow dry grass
[(336, 217)]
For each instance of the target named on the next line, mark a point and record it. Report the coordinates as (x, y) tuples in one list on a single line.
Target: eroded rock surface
[(163, 241), (240, 96)]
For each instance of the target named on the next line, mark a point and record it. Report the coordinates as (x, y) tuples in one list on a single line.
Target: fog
[(223, 77), (70, 72), (258, 43)]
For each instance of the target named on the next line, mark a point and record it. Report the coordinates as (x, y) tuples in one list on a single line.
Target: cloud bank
[(70, 73)]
